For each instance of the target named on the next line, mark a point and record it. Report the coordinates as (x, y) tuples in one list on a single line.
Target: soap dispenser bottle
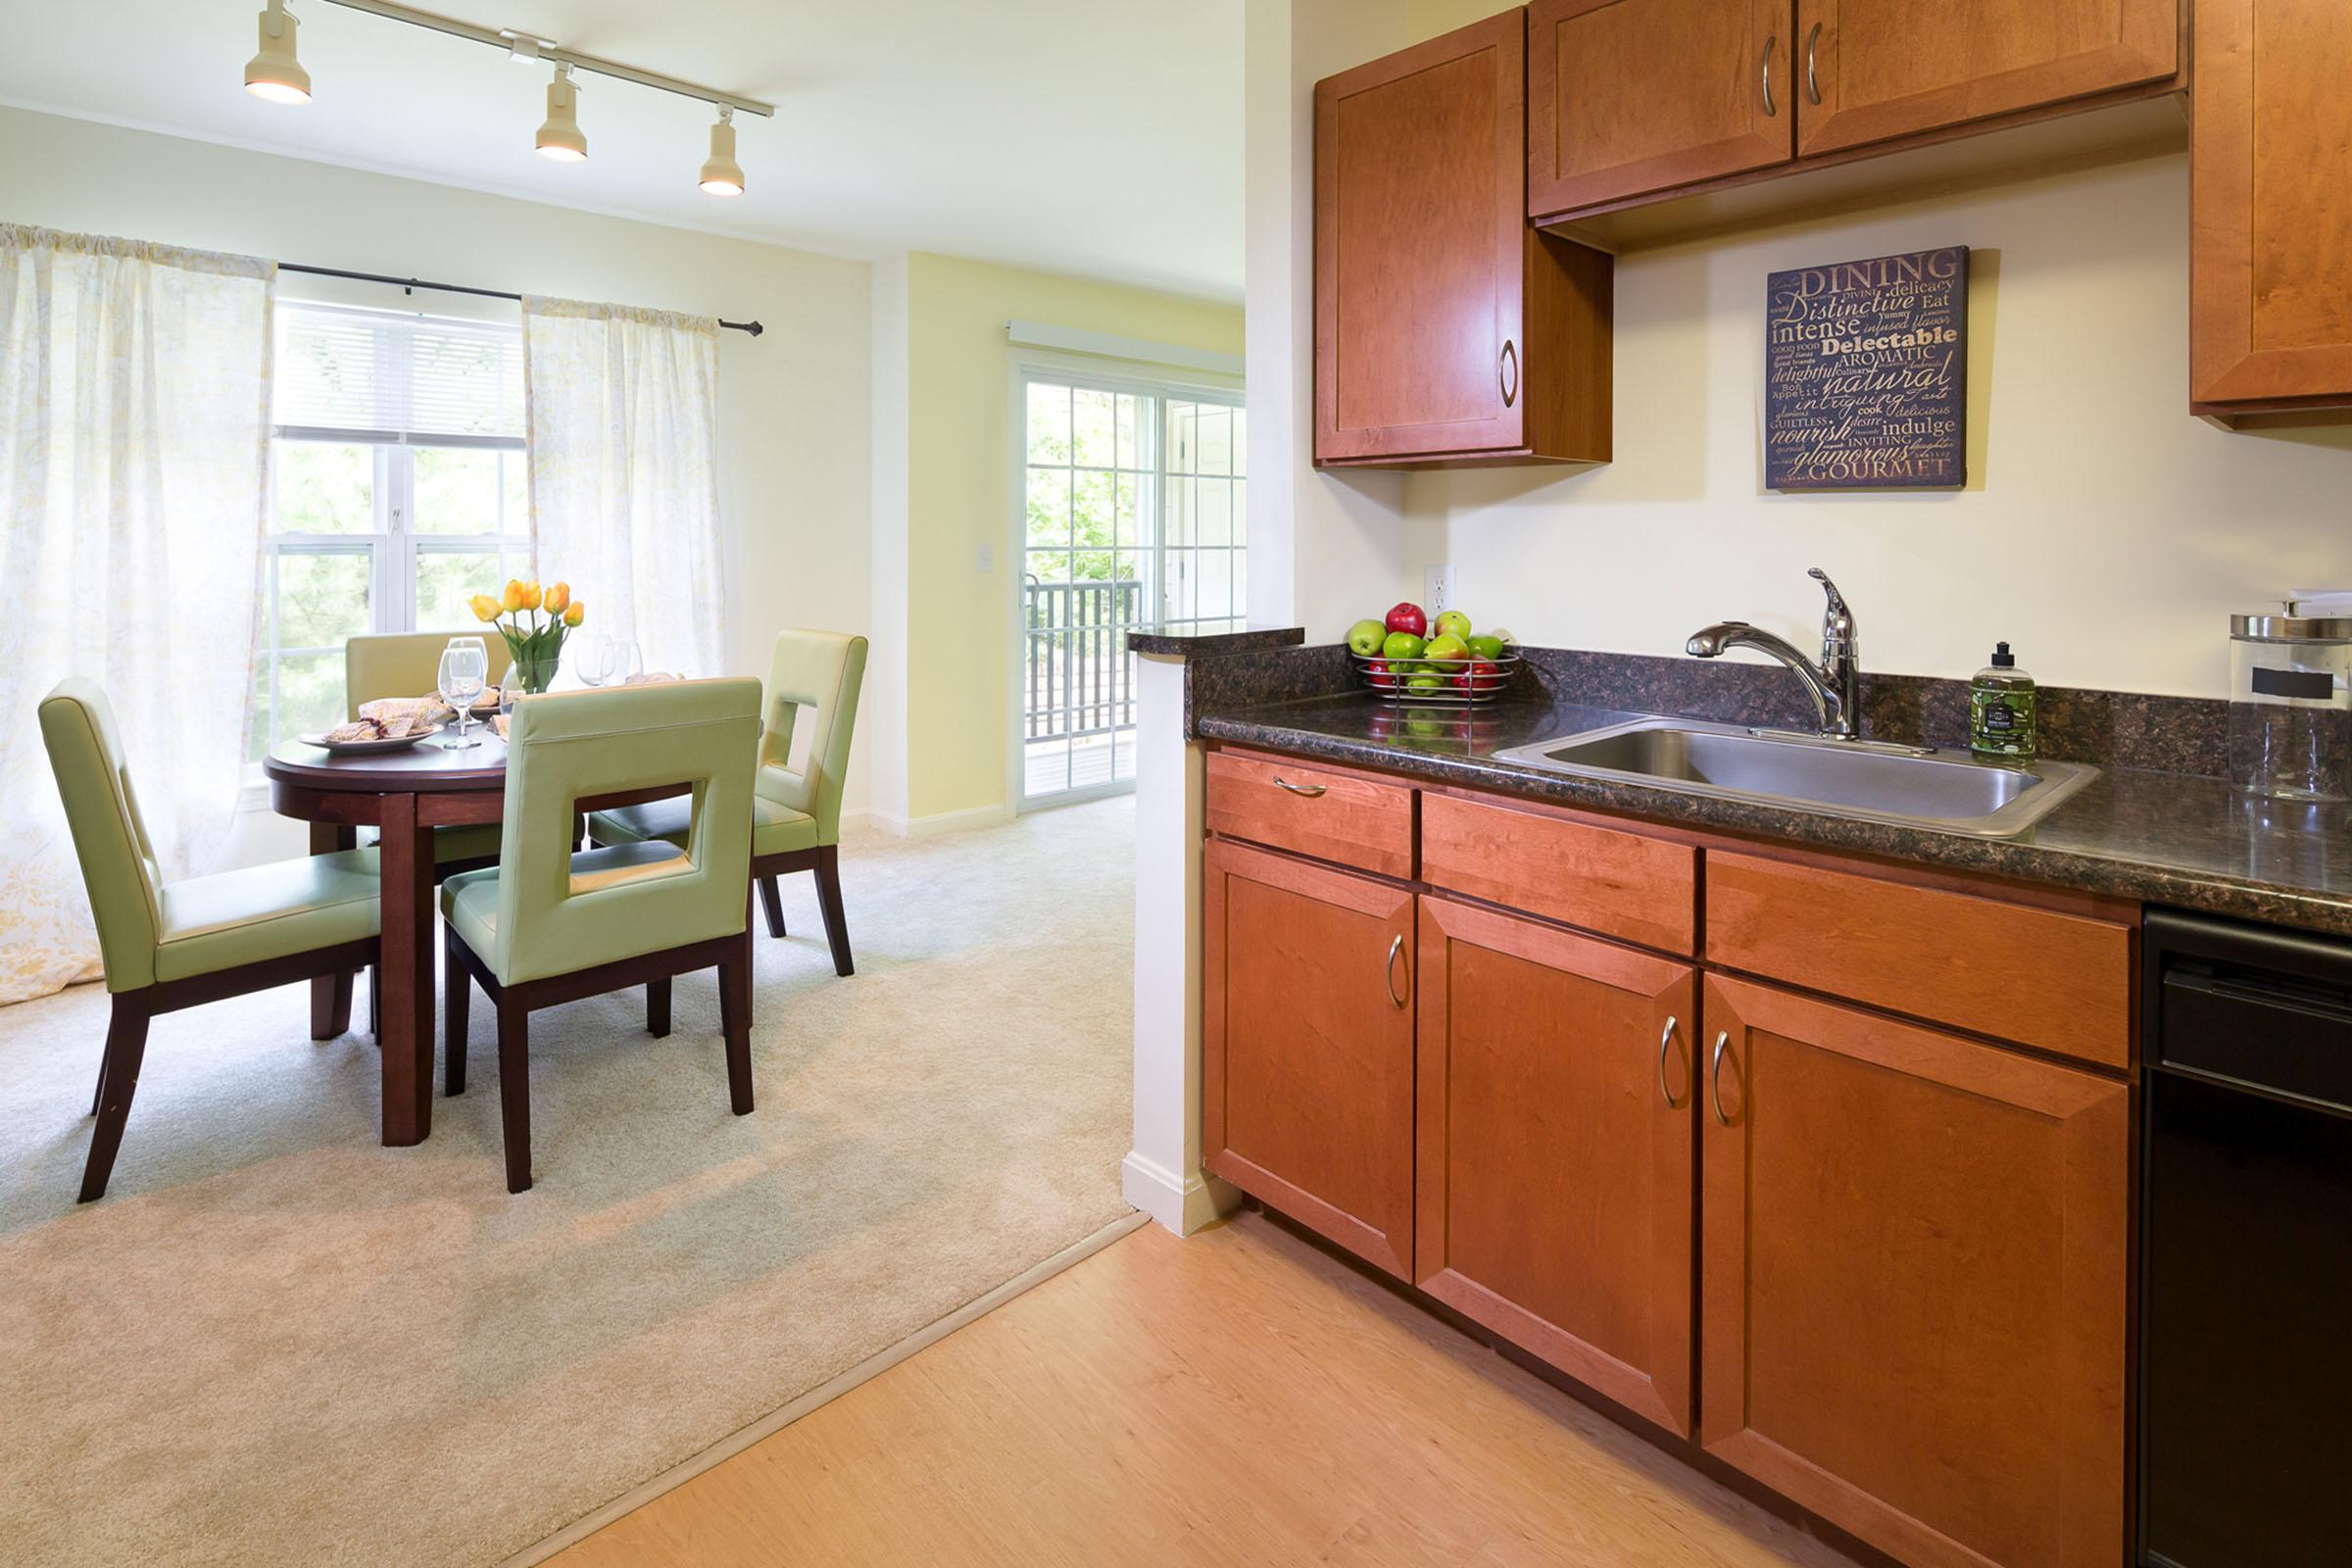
[(2000, 711)]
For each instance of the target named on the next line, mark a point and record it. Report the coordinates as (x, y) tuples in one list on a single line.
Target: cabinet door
[(1420, 220), (1556, 1169), (2270, 205), (1869, 70), (1306, 1036), (1625, 97), (1913, 1282)]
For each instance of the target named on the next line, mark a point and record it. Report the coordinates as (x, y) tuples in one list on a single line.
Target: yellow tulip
[(530, 596), (557, 596), (485, 607), (576, 614), (512, 599)]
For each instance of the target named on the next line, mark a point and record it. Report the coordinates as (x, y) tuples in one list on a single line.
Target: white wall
[(794, 404), (2105, 533)]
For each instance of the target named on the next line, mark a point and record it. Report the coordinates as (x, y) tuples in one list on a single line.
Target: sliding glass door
[(1131, 513)]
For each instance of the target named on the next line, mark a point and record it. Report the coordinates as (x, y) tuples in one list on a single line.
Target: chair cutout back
[(408, 663), (822, 671), (571, 746), (118, 862)]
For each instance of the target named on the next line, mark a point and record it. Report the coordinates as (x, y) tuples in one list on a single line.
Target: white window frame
[(1031, 366)]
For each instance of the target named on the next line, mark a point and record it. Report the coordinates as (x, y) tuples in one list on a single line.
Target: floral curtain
[(134, 462), (622, 409)]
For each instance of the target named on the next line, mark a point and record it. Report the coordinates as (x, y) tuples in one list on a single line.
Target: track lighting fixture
[(722, 175), (560, 135), (275, 73)]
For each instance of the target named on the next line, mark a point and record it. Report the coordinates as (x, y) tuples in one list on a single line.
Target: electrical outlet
[(1437, 589)]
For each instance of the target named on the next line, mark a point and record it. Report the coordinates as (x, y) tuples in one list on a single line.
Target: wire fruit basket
[(1439, 682)]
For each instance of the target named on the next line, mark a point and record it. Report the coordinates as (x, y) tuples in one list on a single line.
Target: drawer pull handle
[(1771, 43), (1388, 970), (1723, 1038), (1665, 1043), (1812, 78), (1310, 790), (1509, 360)]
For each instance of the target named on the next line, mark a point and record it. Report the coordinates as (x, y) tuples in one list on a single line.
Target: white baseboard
[(1183, 1206), (923, 827)]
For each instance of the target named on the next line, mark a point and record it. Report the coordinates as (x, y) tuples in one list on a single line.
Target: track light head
[(722, 175), (273, 72), (560, 135)]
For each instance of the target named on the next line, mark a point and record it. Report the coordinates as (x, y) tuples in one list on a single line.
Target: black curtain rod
[(753, 328)]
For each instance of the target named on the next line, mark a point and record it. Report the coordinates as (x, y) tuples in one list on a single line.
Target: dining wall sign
[(1866, 374)]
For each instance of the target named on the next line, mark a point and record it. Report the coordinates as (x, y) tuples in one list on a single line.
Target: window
[(397, 491), (1132, 513)]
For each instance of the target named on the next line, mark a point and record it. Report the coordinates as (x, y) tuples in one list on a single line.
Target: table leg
[(407, 967), (331, 994)]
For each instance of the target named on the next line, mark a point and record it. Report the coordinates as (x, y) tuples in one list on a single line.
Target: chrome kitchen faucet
[(1835, 684)]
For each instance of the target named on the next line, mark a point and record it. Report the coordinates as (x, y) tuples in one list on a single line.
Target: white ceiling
[(1095, 137)]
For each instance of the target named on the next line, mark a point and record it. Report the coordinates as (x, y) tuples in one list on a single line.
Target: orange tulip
[(485, 607), (557, 596), (511, 600), (576, 614), (530, 596)]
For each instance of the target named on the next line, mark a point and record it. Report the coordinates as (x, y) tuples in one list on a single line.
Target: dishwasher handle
[(2283, 1037)]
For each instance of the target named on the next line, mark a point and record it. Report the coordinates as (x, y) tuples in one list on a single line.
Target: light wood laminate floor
[(1236, 1397)]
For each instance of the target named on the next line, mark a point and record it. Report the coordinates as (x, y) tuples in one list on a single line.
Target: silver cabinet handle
[(1771, 43), (1723, 1037), (1310, 790), (1665, 1043), (1812, 78), (1388, 970), (1508, 361)]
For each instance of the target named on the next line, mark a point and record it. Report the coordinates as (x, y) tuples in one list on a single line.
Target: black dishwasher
[(2246, 1247)]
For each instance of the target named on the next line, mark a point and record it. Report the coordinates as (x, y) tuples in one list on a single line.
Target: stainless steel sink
[(1915, 786)]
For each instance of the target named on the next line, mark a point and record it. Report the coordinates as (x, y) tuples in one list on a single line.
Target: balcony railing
[(1077, 676)]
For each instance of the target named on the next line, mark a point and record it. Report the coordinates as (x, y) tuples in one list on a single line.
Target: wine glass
[(465, 670), (592, 659), (628, 663)]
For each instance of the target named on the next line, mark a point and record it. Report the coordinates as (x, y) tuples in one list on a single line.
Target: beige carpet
[(275, 1342)]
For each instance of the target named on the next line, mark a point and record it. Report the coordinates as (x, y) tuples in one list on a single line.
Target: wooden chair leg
[(656, 1008), (376, 1002), (735, 1021), (771, 904), (456, 990), (330, 1004), (828, 899), (98, 1095), (118, 1080), (514, 1091)]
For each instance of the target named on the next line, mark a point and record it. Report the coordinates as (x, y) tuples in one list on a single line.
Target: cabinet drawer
[(2040, 977), (1620, 884), (1332, 815)]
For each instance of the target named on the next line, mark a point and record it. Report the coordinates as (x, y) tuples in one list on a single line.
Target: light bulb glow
[(273, 72)]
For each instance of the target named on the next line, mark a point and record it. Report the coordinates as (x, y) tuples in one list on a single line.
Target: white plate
[(399, 743)]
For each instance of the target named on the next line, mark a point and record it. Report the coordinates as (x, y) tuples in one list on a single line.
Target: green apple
[(1401, 645), (1454, 621), (1447, 645), (1365, 638), (1425, 681), (1485, 645)]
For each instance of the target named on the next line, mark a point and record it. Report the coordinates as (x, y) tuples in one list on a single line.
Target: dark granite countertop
[(1197, 637), (2166, 838)]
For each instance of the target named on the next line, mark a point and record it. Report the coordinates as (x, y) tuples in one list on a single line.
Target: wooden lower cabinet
[(1913, 1281), (1307, 1037), (1557, 1173)]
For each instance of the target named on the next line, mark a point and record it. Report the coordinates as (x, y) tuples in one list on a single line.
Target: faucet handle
[(1837, 619)]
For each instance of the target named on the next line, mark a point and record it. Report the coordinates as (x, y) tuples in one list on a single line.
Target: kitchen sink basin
[(1915, 786)]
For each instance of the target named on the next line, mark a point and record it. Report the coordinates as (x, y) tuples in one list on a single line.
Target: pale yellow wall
[(960, 499), (2104, 532)]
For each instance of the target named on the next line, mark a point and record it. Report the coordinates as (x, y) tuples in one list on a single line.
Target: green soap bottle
[(2000, 711)]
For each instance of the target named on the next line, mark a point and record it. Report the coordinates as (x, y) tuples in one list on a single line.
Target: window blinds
[(377, 376)]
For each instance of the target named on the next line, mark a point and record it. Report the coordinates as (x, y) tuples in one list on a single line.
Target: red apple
[(1378, 670), (1407, 616), (1478, 675)]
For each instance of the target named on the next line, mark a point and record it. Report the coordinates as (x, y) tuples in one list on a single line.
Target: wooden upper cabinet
[(1446, 327), (2271, 207), (1628, 97), (1913, 1291), (1306, 1039), (1556, 1149), (1869, 70)]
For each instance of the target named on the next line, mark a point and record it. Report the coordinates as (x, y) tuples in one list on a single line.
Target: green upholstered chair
[(548, 925), (173, 946), (408, 663), (796, 820)]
